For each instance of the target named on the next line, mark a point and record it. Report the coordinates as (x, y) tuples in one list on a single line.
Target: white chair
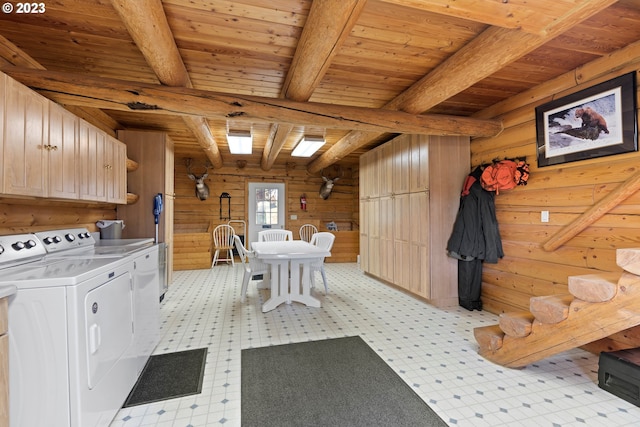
[(323, 240), (274, 235), (306, 231), (223, 242), (252, 266)]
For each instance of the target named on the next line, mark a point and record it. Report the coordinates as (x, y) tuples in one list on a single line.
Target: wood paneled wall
[(565, 190), (193, 218)]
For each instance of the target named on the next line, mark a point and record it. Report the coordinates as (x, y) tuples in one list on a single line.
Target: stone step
[(629, 260), (489, 338), (516, 324), (550, 308), (598, 287)]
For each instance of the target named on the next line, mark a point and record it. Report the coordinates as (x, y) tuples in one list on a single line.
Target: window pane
[(266, 206)]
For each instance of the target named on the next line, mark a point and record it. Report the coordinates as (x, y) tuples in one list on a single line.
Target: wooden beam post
[(610, 201)]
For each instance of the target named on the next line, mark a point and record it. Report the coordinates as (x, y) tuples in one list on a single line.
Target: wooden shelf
[(132, 198), (132, 165)]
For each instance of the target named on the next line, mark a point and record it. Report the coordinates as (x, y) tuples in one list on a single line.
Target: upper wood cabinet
[(116, 167), (49, 152), (63, 153), (92, 161), (401, 165), (369, 173), (419, 163), (25, 154)]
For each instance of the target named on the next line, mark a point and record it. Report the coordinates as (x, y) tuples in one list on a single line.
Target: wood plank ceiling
[(355, 71)]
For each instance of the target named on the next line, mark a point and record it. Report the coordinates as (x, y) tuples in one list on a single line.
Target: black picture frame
[(567, 130)]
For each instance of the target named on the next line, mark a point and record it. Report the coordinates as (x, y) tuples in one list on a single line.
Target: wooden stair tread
[(550, 308), (489, 338), (629, 260), (587, 322), (594, 287), (516, 324)]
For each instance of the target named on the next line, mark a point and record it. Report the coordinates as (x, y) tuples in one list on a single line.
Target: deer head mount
[(327, 187), (202, 189)]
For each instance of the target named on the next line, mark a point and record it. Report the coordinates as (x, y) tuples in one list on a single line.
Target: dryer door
[(108, 311)]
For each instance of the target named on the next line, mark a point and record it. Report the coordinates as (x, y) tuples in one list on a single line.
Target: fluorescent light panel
[(307, 146), (240, 142)]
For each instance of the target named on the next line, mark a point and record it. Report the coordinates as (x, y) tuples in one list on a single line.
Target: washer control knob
[(49, 240), (1, 249), (29, 244), (70, 237), (18, 246), (57, 239)]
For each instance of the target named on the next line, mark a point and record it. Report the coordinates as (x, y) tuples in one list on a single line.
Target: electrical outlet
[(544, 216), (294, 216)]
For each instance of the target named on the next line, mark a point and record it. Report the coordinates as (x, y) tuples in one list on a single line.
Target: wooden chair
[(274, 235), (252, 266), (306, 231), (323, 240), (223, 242)]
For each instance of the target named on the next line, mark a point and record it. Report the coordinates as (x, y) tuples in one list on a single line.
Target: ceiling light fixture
[(240, 141), (308, 145)]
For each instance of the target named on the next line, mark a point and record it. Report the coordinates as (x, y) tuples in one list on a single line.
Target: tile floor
[(432, 349)]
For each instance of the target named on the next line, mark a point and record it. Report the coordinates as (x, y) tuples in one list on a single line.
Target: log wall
[(566, 191), (30, 215)]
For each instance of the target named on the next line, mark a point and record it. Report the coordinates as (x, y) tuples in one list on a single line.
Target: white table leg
[(301, 282), (279, 278)]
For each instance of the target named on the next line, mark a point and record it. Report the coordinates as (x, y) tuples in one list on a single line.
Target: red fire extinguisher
[(303, 202)]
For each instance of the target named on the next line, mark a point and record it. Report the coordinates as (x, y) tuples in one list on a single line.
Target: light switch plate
[(544, 216), (294, 216)]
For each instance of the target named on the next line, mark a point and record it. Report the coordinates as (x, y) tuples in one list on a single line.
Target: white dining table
[(290, 271)]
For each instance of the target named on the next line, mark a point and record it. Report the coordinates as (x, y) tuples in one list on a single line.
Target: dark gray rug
[(335, 382), (167, 376)]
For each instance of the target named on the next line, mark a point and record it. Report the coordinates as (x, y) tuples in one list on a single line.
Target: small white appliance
[(82, 324)]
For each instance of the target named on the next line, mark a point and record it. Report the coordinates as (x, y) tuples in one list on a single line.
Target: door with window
[(266, 208)]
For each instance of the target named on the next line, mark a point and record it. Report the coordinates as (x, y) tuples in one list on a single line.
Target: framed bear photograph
[(595, 122)]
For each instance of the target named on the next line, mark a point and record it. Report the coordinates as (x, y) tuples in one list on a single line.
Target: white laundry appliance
[(82, 324)]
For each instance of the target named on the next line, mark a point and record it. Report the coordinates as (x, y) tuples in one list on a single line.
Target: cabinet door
[(385, 169), (364, 235), (419, 163), (372, 183), (63, 136), (373, 210), (420, 282), (401, 164), (402, 235), (386, 238), (91, 146), (26, 140), (116, 170)]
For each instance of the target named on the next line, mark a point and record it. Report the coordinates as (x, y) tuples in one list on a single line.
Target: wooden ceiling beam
[(329, 23), (514, 15), (147, 24), (489, 52), (139, 97)]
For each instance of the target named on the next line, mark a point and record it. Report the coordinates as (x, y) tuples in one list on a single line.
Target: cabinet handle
[(54, 147)]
